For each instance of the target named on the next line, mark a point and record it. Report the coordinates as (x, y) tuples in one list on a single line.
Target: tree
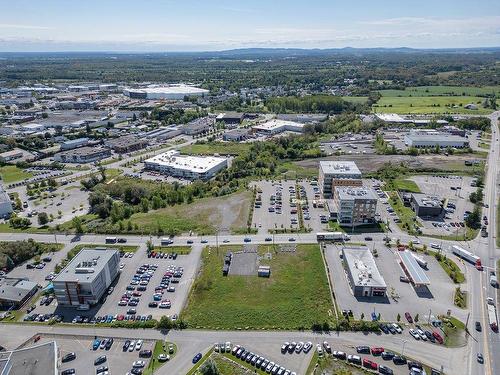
[(164, 323), (209, 368), (416, 318), (398, 317), (43, 218), (77, 224), (474, 219)]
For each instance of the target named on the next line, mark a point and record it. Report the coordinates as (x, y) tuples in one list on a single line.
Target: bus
[(332, 236)]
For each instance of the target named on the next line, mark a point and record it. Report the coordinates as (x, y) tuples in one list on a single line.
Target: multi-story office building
[(86, 277), (355, 205), (337, 173)]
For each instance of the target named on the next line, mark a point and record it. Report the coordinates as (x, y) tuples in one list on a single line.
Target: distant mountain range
[(268, 52)]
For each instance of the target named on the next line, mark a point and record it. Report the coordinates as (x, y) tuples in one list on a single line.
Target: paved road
[(191, 342)]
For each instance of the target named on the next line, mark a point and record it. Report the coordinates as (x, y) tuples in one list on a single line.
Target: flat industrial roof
[(339, 167), (39, 359), (177, 89), (197, 164), (362, 267), (441, 137), (92, 259), (355, 192), (277, 124), (416, 273)]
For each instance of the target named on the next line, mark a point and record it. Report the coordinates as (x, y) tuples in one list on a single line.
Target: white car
[(490, 301), (299, 347), (131, 346), (422, 335), (397, 328), (216, 347), (163, 357), (228, 347), (307, 346), (319, 349), (138, 364), (415, 334), (138, 345), (435, 246)]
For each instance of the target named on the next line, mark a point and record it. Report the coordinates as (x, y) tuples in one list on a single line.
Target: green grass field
[(429, 104), (202, 216), (222, 148), (295, 296), (11, 173), (442, 91), (355, 99), (402, 185)]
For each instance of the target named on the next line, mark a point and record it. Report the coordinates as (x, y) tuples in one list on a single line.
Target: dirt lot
[(374, 162)]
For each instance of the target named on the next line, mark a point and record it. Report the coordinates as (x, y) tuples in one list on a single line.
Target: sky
[(208, 25)]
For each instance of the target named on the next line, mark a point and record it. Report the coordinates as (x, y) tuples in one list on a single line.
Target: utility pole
[(429, 318)]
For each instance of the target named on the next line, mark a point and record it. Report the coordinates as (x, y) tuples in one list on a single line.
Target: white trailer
[(467, 255), (421, 261), (492, 317)]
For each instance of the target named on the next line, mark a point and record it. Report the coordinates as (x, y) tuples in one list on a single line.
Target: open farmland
[(429, 105), (442, 91), (295, 296)]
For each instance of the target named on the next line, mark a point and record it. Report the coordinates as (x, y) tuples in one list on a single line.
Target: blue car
[(95, 344), (247, 239), (197, 357)]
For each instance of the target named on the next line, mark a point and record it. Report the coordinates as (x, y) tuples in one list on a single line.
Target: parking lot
[(456, 189), (177, 294), (280, 203), (401, 296), (349, 144), (117, 360)]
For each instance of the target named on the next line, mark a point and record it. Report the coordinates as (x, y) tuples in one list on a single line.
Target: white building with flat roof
[(172, 92), (364, 276), (174, 164), (276, 126), (337, 173)]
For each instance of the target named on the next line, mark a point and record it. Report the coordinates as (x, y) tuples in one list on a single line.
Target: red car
[(369, 364), (408, 317), (438, 337), (377, 351)]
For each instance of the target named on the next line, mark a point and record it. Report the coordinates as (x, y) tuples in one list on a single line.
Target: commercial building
[(236, 135), (355, 205), (5, 203), (128, 143), (364, 276), (426, 205), (173, 92), (15, 292), (231, 118), (174, 164), (275, 126), (198, 126), (74, 143), (305, 118), (86, 277), (83, 155), (421, 139), (337, 173), (38, 359), (14, 154)]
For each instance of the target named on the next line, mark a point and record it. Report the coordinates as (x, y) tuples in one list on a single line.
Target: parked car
[(68, 357), (197, 357), (408, 317)]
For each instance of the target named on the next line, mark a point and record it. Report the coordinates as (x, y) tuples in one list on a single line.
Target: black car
[(478, 327), (387, 355), (68, 357), (69, 371), (99, 360), (145, 353), (122, 240), (126, 344), (399, 360), (413, 364), (368, 238), (153, 304), (109, 343), (101, 369), (384, 370), (383, 328), (363, 349), (136, 371)]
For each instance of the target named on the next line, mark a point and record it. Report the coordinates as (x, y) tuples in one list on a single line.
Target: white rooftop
[(197, 164), (275, 124), (362, 266), (339, 167), (173, 89), (390, 117), (353, 192)]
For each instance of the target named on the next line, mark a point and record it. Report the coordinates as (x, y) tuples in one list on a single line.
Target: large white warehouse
[(172, 92)]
